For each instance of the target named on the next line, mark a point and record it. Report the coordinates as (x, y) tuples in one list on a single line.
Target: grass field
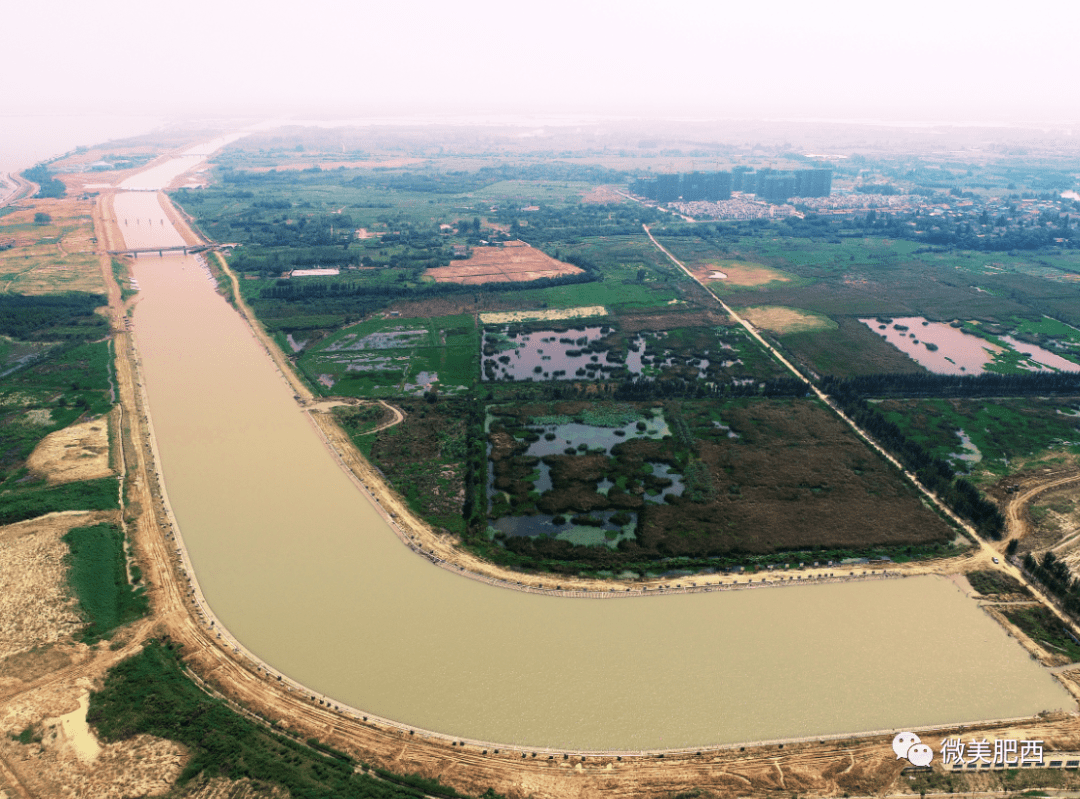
[(98, 578), (614, 295), (1048, 328), (65, 384), (1006, 432), (992, 583), (424, 457), (875, 276), (50, 393), (386, 356), (533, 192), (1043, 627), (25, 500)]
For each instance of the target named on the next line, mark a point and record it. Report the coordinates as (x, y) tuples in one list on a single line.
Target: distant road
[(14, 188)]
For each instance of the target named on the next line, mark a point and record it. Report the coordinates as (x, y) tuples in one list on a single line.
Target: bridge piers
[(186, 249)]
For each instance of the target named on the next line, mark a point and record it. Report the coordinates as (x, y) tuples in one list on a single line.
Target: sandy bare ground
[(35, 606), (78, 452), (45, 677), (1031, 488), (514, 261)]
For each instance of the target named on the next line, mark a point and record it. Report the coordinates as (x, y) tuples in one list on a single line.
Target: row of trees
[(934, 473), (926, 384), (1054, 573)]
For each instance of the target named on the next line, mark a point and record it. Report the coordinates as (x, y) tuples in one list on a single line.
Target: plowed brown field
[(514, 262)]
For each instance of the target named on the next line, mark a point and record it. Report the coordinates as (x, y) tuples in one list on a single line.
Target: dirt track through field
[(1016, 511)]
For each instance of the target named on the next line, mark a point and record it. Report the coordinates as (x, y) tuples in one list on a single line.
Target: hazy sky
[(913, 60)]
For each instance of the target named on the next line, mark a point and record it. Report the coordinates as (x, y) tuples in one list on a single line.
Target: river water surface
[(303, 571)]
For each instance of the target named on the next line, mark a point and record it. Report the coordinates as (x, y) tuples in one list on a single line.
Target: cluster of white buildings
[(839, 203), (737, 209)]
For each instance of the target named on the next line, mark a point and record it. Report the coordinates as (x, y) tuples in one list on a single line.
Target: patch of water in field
[(651, 365), (968, 453), (302, 569), (664, 472), (603, 530), (939, 347), (1049, 360), (591, 438), (543, 355)]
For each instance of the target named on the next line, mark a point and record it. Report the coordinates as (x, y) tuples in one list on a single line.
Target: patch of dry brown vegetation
[(637, 323), (734, 273), (55, 256), (780, 320), (795, 477)]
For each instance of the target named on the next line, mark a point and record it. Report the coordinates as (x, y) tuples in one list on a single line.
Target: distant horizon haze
[(920, 62)]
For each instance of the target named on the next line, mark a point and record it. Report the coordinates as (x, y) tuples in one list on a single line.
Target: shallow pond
[(607, 532), (1043, 357), (557, 439), (544, 355), (939, 347)]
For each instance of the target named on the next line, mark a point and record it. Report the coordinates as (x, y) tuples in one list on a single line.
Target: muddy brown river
[(302, 570)]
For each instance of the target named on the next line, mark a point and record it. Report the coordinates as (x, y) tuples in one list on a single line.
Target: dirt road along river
[(304, 572)]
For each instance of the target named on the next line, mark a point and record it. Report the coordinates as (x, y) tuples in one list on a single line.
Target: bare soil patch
[(64, 766), (33, 663), (514, 262), (78, 452), (777, 319), (603, 195)]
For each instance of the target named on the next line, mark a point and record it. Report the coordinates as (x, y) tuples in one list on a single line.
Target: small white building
[(314, 272)]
